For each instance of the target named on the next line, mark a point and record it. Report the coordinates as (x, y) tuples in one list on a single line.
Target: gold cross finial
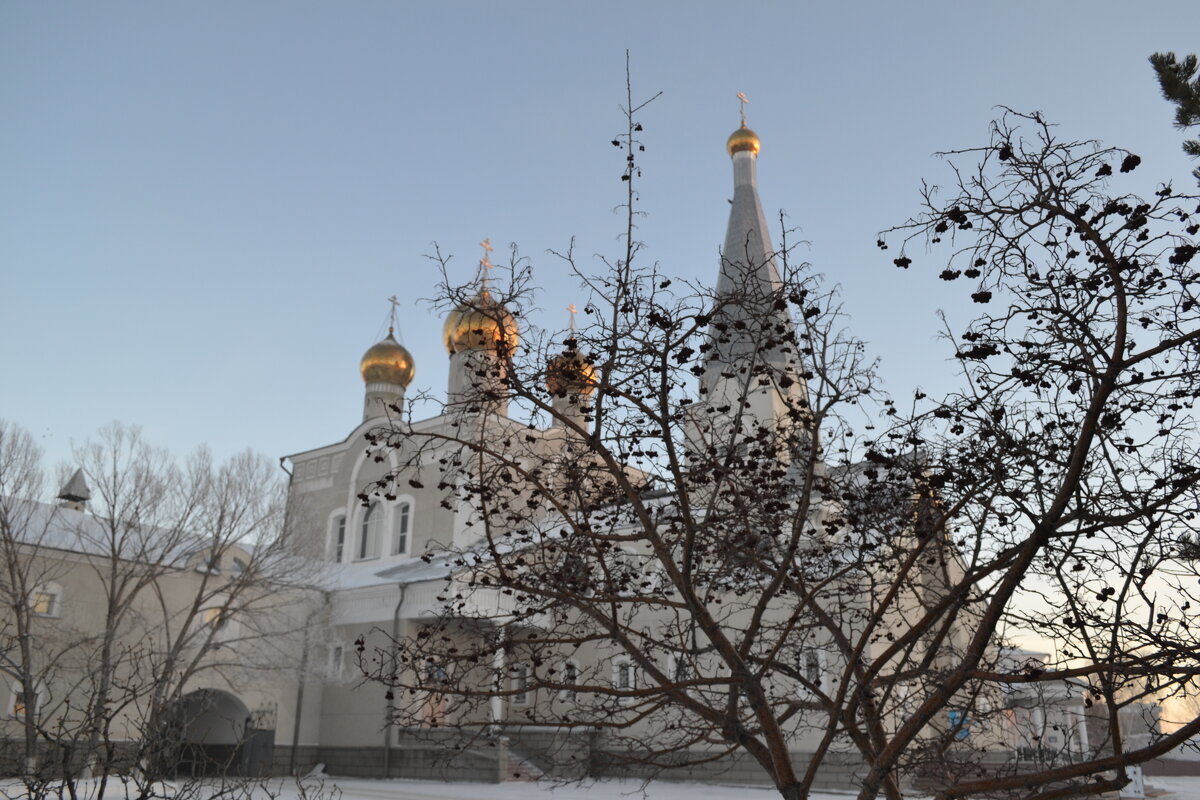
[(392, 314), (741, 96), (572, 309), (484, 263)]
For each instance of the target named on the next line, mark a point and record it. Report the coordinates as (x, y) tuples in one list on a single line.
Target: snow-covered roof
[(45, 526), (40, 524), (417, 570), (358, 575)]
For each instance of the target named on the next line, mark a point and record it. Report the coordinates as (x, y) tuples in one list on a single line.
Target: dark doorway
[(215, 735)]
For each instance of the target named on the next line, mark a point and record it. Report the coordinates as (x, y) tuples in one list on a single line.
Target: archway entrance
[(216, 735)]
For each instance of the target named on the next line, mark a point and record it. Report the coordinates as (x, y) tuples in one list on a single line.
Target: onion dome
[(570, 373), (387, 362), (480, 324), (743, 139)]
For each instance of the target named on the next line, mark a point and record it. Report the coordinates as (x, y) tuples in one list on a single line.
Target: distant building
[(224, 644)]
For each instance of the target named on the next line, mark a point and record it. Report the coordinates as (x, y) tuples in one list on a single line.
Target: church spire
[(748, 259), (752, 329)]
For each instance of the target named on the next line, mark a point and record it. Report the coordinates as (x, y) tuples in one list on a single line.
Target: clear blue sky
[(203, 206)]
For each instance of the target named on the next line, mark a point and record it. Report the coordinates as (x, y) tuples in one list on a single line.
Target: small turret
[(480, 323), (75, 494), (480, 334), (387, 370), (743, 140), (570, 377)]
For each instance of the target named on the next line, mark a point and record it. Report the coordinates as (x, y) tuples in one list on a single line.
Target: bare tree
[(180, 576), (1067, 463), (35, 650), (783, 564), (696, 579)]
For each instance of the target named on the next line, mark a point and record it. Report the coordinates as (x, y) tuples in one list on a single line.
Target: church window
[(403, 520), (812, 670), (46, 600), (570, 676), (623, 572), (368, 539), (681, 670), (220, 617), (812, 667), (436, 676), (339, 539), (336, 657), (520, 685), (22, 706), (624, 676)]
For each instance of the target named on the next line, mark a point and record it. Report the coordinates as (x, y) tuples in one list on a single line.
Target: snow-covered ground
[(333, 788), (1180, 788), (1185, 788), (358, 789)]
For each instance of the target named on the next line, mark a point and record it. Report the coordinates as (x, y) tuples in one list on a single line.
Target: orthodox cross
[(572, 309), (485, 263), (392, 314), (741, 96)]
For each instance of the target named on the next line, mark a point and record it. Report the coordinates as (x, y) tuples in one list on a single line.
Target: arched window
[(403, 521), (570, 676), (338, 546), (336, 658), (680, 669), (624, 572), (222, 617), (21, 706), (520, 684), (369, 536), (624, 677), (811, 666)]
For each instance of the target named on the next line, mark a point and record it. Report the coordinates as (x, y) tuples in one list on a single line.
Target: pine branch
[(1181, 85)]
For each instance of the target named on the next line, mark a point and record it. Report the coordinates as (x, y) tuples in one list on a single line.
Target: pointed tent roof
[(748, 284), (76, 490)]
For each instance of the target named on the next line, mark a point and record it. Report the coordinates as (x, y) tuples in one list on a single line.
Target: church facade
[(373, 538)]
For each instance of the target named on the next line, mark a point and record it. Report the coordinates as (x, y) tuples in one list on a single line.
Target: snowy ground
[(1186, 788), (359, 789), (332, 788)]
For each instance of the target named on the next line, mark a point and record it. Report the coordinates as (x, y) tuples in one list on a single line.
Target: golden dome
[(480, 324), (570, 373), (743, 139), (388, 362)]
